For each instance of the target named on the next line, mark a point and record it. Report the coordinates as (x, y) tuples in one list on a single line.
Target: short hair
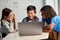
[(49, 12), (31, 7)]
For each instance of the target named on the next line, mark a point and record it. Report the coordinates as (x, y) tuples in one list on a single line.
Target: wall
[(19, 7), (59, 7), (54, 4)]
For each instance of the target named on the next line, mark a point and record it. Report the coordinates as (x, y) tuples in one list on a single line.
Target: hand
[(9, 19), (46, 30), (14, 31)]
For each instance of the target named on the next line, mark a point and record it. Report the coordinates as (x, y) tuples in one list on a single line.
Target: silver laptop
[(30, 28)]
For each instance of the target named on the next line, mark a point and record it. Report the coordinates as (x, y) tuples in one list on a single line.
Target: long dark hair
[(48, 11), (6, 12), (14, 21)]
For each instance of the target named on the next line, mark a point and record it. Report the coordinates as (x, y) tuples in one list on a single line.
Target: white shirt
[(7, 27)]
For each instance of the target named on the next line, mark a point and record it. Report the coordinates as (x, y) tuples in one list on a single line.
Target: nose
[(29, 14)]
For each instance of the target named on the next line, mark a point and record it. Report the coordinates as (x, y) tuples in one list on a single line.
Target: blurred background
[(19, 7)]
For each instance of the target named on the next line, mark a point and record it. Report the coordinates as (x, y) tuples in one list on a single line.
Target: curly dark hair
[(48, 11)]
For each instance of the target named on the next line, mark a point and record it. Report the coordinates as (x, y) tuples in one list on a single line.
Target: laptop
[(29, 28)]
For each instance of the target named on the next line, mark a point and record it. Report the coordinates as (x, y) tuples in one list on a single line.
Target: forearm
[(47, 28)]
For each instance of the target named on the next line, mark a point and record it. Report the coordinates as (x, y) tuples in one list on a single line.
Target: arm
[(48, 28), (6, 26)]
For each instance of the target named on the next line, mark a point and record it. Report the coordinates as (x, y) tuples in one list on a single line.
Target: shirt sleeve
[(56, 22)]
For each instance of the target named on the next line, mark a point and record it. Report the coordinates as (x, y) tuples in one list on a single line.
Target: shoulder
[(36, 17), (56, 18), (25, 19), (5, 21)]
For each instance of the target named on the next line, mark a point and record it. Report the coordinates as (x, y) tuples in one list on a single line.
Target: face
[(42, 14), (31, 14), (10, 16)]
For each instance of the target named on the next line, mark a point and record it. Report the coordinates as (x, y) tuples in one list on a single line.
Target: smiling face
[(31, 14), (43, 15), (9, 17)]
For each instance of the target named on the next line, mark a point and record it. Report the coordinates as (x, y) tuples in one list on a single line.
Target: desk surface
[(15, 36)]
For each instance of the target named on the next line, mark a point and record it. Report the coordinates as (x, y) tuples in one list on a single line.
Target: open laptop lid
[(30, 28)]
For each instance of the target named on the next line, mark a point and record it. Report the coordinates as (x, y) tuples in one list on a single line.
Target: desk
[(15, 36)]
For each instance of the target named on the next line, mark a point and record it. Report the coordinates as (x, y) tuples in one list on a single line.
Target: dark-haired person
[(53, 21), (7, 22), (31, 15)]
